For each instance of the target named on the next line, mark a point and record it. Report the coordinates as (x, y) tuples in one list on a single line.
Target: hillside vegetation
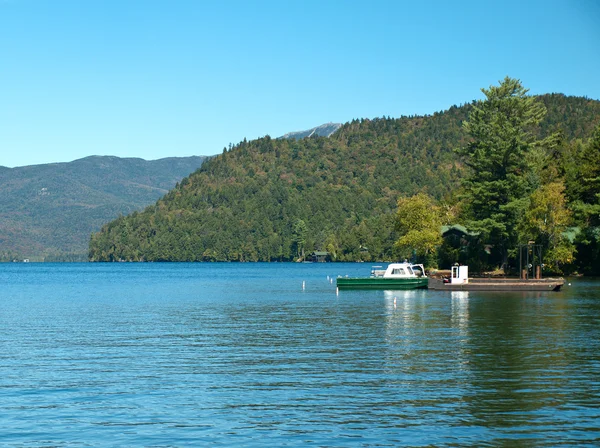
[(48, 212), (274, 199)]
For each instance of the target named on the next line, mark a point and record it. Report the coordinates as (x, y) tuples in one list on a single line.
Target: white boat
[(395, 276)]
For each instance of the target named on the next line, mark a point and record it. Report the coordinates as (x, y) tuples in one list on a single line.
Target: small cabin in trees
[(320, 256)]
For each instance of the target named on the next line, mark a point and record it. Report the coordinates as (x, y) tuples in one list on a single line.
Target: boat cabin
[(399, 270)]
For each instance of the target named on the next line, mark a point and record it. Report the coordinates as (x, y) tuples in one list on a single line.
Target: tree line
[(518, 189), (276, 199)]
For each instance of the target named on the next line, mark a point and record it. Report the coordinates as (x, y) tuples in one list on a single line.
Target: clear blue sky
[(161, 78)]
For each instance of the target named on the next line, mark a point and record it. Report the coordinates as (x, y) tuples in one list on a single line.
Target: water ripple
[(176, 355)]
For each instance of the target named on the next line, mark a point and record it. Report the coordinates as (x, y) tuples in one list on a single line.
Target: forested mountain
[(273, 199), (49, 211)]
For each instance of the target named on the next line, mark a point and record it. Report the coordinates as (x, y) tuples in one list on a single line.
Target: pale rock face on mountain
[(325, 130)]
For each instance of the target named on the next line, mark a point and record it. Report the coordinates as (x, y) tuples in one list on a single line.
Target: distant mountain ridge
[(49, 211), (325, 130)]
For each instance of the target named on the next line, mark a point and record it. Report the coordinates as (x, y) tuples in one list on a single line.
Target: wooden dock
[(499, 284)]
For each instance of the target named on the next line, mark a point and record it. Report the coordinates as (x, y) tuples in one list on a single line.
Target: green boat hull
[(381, 283)]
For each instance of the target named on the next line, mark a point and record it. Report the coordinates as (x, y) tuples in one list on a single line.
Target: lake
[(244, 354)]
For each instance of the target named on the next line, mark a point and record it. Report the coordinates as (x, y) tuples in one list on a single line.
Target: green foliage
[(49, 211), (572, 117), (6, 256), (588, 250), (246, 203), (418, 223), (545, 221), (588, 178), (586, 204), (500, 158), (299, 237)]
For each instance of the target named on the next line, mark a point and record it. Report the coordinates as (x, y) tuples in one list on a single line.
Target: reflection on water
[(517, 366), (250, 354), (460, 325), (460, 313)]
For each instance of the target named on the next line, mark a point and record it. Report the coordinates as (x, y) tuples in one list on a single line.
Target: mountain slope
[(50, 210), (272, 199), (325, 130)]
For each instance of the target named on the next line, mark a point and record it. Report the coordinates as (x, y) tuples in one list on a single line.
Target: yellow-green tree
[(545, 221), (418, 223)]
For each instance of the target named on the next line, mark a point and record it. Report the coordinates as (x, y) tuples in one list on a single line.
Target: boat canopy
[(399, 270)]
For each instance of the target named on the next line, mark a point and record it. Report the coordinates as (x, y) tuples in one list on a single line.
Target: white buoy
[(394, 302), (337, 291), (303, 285)]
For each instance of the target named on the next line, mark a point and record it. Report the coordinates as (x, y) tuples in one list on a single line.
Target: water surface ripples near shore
[(269, 354)]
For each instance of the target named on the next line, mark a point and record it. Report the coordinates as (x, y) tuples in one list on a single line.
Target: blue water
[(244, 355)]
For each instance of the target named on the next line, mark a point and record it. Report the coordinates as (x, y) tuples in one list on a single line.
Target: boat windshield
[(418, 270)]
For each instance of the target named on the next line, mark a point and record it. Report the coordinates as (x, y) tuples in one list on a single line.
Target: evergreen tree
[(299, 237), (587, 206), (501, 175), (589, 170)]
